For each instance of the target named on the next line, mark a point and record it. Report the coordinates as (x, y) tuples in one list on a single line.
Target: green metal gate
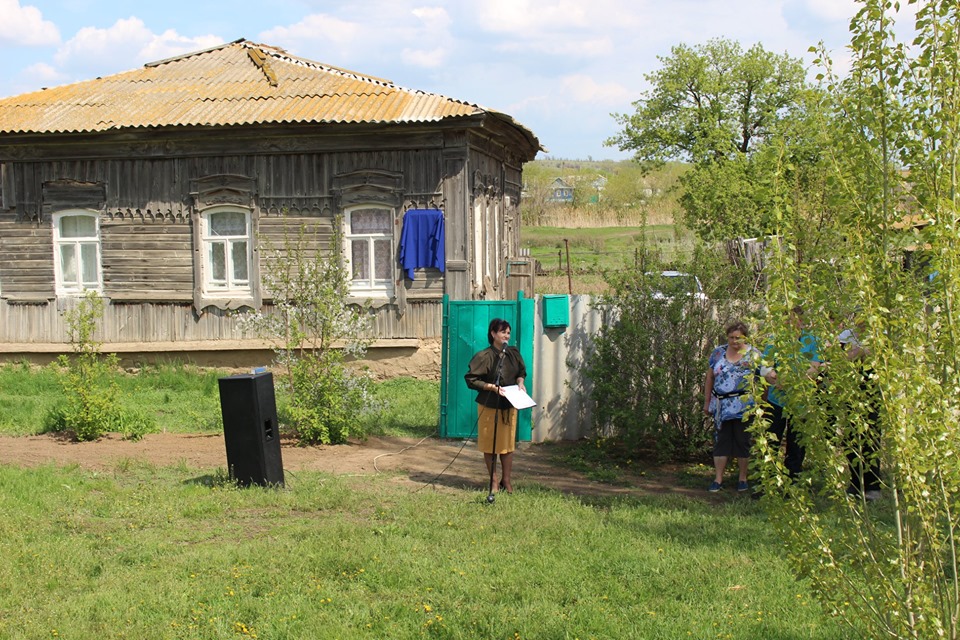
[(465, 325)]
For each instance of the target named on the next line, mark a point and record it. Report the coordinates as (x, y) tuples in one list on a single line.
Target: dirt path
[(444, 463)]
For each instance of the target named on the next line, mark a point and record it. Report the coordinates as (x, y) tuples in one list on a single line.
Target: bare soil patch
[(435, 461)]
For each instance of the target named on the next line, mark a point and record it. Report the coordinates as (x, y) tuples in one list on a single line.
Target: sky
[(559, 67)]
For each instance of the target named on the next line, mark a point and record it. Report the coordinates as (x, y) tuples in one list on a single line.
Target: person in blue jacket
[(780, 420)]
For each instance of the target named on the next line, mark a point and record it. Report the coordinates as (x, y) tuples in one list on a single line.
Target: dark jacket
[(483, 370)]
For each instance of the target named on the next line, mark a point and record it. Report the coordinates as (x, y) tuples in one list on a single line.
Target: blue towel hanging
[(422, 240)]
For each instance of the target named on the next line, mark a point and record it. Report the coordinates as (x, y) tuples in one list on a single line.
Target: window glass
[(218, 262), (227, 247), (78, 227), (228, 223), (76, 252), (369, 246), (381, 259), (88, 263), (239, 259), (68, 263), (360, 258), (370, 221)]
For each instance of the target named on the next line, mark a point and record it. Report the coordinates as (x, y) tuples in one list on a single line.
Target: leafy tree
[(715, 106), (709, 102), (891, 565)]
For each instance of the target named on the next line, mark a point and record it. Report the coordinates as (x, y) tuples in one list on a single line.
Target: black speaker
[(250, 429)]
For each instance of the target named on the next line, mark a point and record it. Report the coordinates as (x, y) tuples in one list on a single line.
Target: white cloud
[(572, 47), (43, 74), (832, 10), (522, 17), (315, 28), (433, 18), (569, 28), (124, 45), (421, 35), (428, 59), (434, 29), (583, 88), (169, 44), (25, 26)]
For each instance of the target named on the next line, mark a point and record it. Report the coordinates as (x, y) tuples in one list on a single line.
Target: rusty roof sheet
[(239, 83)]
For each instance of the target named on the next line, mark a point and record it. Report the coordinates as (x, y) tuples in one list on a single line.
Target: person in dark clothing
[(863, 445), (491, 369)]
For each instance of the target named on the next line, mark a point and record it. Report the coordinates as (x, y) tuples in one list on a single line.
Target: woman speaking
[(491, 369)]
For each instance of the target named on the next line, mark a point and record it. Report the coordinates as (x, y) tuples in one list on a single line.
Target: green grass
[(410, 408), (187, 400), (596, 249), (145, 552), (27, 393)]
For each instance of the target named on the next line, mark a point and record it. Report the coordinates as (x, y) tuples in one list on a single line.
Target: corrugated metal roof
[(238, 83)]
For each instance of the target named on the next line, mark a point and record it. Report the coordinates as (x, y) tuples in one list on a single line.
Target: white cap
[(847, 336)]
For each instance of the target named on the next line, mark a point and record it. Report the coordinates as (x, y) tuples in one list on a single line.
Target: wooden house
[(560, 191), (159, 188)]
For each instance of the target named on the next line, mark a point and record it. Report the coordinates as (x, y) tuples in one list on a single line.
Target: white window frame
[(77, 286), (372, 287), (227, 288)]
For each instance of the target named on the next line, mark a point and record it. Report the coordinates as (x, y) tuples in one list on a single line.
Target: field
[(593, 250)]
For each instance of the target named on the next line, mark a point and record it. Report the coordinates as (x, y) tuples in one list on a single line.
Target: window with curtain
[(76, 240), (369, 242), (227, 250)]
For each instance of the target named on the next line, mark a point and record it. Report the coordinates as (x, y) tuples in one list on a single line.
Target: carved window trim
[(211, 195)]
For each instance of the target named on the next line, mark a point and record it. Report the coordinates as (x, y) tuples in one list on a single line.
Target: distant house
[(159, 187), (560, 191)]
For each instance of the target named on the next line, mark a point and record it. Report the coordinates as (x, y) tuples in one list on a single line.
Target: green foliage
[(29, 394), (311, 314), (326, 408), (889, 566), (650, 361), (181, 398), (92, 405), (710, 101), (716, 106), (621, 191)]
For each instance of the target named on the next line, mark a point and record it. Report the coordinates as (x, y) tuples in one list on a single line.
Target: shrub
[(650, 362), (91, 406)]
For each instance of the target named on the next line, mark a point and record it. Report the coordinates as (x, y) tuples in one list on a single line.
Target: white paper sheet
[(518, 397)]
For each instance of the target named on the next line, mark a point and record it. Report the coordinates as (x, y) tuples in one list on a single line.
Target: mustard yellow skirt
[(506, 429)]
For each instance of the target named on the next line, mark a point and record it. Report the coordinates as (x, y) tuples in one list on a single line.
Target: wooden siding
[(170, 323), (26, 271), (145, 191), (494, 221), (146, 260)]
